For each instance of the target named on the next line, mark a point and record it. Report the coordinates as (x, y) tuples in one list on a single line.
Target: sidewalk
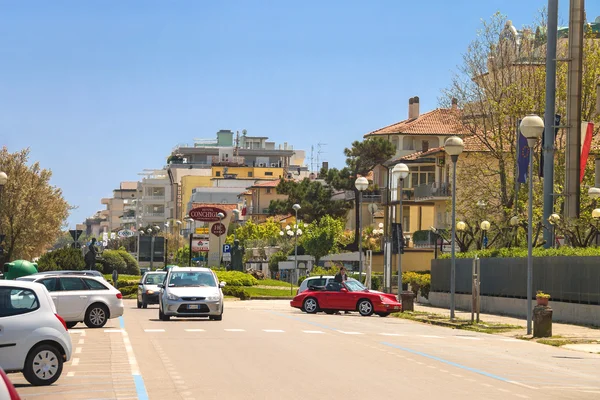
[(568, 332)]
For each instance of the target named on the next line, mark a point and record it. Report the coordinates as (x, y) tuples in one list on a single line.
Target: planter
[(542, 301)]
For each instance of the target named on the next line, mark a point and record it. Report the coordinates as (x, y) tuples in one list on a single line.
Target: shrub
[(274, 260), (132, 267), (324, 271), (418, 281), (112, 260), (236, 278), (66, 258), (236, 291), (521, 252), (128, 290)]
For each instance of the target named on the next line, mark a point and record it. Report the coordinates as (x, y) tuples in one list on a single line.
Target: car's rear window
[(17, 301), (95, 285), (155, 279)]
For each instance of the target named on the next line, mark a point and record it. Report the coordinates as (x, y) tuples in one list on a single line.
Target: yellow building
[(258, 198), (243, 172)]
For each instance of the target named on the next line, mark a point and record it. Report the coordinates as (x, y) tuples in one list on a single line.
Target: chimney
[(410, 108), (454, 103), (416, 107)]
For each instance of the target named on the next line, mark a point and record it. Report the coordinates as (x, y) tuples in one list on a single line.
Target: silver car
[(148, 290), (191, 292)]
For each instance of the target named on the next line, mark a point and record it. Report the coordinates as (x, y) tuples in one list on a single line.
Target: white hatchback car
[(33, 337), (191, 292), (86, 299)]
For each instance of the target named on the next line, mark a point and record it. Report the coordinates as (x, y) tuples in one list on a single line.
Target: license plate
[(192, 306), (396, 307)]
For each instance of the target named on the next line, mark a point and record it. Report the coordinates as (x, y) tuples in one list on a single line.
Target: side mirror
[(344, 290), (222, 284)]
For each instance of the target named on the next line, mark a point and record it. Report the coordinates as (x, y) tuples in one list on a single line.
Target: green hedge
[(61, 259), (111, 260), (519, 252), (236, 278), (236, 291), (132, 267)]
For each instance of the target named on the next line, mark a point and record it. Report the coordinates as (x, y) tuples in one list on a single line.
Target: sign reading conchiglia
[(206, 214)]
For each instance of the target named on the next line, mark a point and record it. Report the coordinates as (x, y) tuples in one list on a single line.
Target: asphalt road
[(266, 350)]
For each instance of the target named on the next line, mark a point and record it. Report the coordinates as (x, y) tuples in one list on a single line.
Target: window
[(250, 174), (421, 175), (333, 287), (70, 284), (95, 285), (192, 279), (50, 284), (268, 173), (268, 191), (217, 173), (16, 301), (155, 279)]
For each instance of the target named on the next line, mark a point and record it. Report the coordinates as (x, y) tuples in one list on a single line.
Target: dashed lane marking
[(273, 330), (350, 333), (235, 330), (316, 332), (467, 337), (195, 330), (113, 331), (391, 334)]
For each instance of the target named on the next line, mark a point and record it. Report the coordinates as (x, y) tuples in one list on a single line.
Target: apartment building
[(120, 208), (154, 203)]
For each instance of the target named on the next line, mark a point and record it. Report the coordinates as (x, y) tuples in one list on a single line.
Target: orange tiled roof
[(273, 183), (441, 121)]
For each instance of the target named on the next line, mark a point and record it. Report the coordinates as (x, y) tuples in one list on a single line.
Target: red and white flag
[(244, 210), (587, 130)]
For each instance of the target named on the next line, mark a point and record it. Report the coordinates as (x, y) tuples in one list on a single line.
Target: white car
[(33, 338), (191, 292), (87, 299)]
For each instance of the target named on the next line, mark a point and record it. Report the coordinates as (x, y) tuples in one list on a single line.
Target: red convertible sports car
[(348, 296)]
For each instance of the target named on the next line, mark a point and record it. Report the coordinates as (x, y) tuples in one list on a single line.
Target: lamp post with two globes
[(400, 172)]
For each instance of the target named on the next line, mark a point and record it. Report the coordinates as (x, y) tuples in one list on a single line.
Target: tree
[(361, 158), (250, 231), (31, 210), (502, 79), (314, 198), (323, 237)]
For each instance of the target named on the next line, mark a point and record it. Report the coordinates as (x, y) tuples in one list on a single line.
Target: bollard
[(407, 301), (542, 322)]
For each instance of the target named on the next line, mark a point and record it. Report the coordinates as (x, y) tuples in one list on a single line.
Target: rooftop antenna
[(319, 152), (237, 143)]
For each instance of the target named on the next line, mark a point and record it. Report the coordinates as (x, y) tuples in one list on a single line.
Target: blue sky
[(102, 90)]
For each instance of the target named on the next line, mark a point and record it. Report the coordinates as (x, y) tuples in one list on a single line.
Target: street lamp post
[(596, 217), (400, 171), (189, 220), (485, 226), (296, 207), (3, 181), (221, 216), (361, 184), (532, 127), (453, 147)]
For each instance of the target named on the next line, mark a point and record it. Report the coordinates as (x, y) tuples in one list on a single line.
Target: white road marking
[(443, 370), (75, 362), (503, 390), (70, 373), (195, 330), (521, 396), (432, 336), (350, 333), (154, 330), (77, 350), (420, 363), (486, 385), (313, 332), (522, 384), (457, 375), (467, 337), (113, 331), (431, 366), (391, 334), (135, 370), (235, 330), (273, 330), (79, 331), (81, 341)]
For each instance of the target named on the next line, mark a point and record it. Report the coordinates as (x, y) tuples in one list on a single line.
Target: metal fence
[(568, 279)]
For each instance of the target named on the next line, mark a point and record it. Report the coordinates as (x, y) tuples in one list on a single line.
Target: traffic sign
[(200, 245), (75, 233), (202, 231), (226, 256), (226, 248)]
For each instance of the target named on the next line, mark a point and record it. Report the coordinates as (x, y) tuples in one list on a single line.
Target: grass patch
[(556, 342), (273, 282), (463, 324), (263, 292)]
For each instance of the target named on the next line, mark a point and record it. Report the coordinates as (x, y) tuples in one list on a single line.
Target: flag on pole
[(522, 158), (244, 209), (587, 131)]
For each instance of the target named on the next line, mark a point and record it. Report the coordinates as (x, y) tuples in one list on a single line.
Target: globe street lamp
[(553, 220), (221, 216), (296, 207), (361, 184), (594, 194), (454, 147), (485, 226), (532, 127), (3, 181), (400, 172)]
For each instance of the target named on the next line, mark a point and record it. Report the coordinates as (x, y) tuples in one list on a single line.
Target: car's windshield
[(192, 278), (354, 286), (155, 279)]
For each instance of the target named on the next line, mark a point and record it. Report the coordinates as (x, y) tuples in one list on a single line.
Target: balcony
[(128, 220), (153, 198), (233, 161), (105, 201), (433, 191)]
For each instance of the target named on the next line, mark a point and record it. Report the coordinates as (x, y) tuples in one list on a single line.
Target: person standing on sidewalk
[(115, 277)]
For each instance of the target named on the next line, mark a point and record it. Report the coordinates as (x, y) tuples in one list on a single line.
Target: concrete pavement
[(266, 350)]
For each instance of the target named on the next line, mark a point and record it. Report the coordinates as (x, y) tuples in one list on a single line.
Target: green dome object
[(18, 268)]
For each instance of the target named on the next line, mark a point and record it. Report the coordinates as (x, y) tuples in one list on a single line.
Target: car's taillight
[(62, 321), (12, 392), (119, 296)]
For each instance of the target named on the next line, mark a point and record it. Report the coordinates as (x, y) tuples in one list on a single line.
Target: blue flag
[(522, 158)]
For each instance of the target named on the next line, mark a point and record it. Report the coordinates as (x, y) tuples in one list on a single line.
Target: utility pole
[(574, 83), (548, 143)]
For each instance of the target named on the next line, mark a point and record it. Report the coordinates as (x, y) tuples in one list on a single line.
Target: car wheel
[(71, 324), (43, 365), (162, 316), (139, 304), (96, 316), (144, 305), (383, 314), (311, 305), (365, 308)]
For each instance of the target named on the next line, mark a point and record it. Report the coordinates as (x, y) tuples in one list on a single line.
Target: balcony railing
[(233, 160), (435, 190), (153, 198), (154, 215), (127, 220)]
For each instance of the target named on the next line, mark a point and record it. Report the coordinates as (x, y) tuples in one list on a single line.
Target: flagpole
[(517, 168)]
